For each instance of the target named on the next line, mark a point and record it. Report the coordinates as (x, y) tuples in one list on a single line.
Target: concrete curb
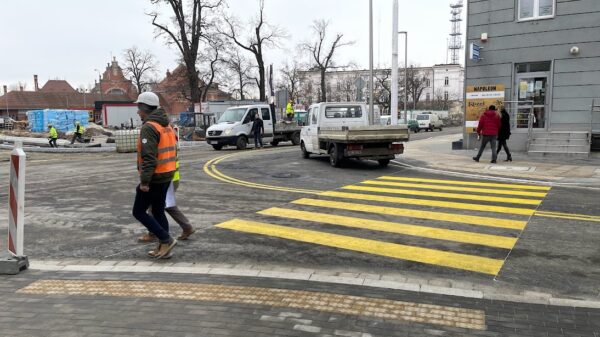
[(459, 289)]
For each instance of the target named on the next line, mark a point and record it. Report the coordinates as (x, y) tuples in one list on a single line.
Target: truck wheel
[(431, 128), (335, 157), (296, 138), (275, 143), (241, 143), (440, 128), (217, 147), (383, 162), (305, 154)]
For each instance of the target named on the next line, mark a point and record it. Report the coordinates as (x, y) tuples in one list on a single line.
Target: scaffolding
[(455, 44)]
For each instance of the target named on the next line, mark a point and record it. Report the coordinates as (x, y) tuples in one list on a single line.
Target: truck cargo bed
[(365, 134)]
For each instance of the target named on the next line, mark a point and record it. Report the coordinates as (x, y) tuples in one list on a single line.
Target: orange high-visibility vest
[(167, 149)]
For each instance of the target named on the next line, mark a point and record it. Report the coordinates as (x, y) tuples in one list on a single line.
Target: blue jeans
[(156, 224), (257, 139)]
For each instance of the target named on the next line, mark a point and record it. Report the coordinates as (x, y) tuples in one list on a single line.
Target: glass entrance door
[(532, 87)]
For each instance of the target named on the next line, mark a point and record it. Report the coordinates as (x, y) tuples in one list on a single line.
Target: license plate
[(210, 142)]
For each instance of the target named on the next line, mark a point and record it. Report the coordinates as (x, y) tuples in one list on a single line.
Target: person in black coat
[(504, 133), (258, 129)]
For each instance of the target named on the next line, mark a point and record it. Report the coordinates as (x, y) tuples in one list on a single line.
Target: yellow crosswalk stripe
[(430, 215), (395, 227), (477, 197), (410, 253), (432, 203), (468, 183), (456, 188)]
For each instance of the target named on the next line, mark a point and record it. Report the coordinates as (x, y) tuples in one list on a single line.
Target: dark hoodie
[(150, 139)]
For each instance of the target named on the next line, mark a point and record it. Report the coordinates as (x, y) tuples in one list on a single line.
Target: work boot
[(148, 237), (476, 159), (153, 253), (186, 234), (165, 249)]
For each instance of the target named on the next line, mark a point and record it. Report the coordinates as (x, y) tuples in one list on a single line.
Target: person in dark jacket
[(258, 128), (504, 134), (157, 157), (489, 125)]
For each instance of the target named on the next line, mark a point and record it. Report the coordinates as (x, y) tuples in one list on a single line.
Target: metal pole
[(433, 89), (371, 108), (394, 89), (405, 74)]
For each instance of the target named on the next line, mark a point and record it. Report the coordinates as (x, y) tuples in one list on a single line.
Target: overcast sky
[(68, 39)]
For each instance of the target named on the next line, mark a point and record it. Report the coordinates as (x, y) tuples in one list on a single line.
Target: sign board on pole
[(475, 52), (479, 98)]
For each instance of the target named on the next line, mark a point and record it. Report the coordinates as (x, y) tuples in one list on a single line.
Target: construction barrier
[(16, 201)]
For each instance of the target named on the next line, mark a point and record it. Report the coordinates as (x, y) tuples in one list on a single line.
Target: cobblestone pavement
[(42, 303)]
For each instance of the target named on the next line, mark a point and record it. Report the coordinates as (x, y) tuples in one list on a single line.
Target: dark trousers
[(78, 137), (52, 142), (484, 141), (156, 223), (501, 144), (258, 139)]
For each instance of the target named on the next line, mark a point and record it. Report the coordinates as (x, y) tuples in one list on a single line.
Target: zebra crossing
[(459, 224)]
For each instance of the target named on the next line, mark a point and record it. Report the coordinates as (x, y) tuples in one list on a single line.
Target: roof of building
[(23, 100), (58, 86)]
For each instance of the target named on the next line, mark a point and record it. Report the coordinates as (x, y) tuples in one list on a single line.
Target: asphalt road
[(267, 206)]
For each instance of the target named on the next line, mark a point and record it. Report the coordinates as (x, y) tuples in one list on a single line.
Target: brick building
[(113, 82)]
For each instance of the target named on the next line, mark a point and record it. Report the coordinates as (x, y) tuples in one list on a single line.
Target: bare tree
[(264, 35), (188, 25), (321, 55), (209, 64), (417, 82), (291, 79), (382, 93), (139, 67), (239, 69)]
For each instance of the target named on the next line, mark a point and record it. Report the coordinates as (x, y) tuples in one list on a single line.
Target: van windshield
[(233, 115), (422, 117)]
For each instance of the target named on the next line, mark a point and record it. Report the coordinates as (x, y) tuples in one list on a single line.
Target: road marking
[(456, 188), (410, 253), (570, 216), (395, 227), (432, 203), (379, 308), (430, 215), (468, 183), (445, 195)]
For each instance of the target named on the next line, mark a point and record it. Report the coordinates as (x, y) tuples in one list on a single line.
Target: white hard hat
[(148, 98)]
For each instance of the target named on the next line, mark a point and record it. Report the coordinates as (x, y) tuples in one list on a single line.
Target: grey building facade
[(546, 54)]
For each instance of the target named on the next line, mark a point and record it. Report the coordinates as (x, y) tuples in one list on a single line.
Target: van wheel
[(217, 147), (431, 128), (241, 143), (440, 128), (305, 154), (275, 143), (335, 158), (383, 162), (296, 138)]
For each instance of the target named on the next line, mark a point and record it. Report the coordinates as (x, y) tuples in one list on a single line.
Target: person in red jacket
[(489, 125)]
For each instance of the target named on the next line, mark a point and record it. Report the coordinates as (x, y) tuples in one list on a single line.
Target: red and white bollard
[(15, 261)]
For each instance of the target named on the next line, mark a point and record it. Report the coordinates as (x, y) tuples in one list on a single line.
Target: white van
[(428, 121)]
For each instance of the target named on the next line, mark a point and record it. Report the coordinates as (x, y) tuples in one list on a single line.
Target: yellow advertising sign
[(479, 98)]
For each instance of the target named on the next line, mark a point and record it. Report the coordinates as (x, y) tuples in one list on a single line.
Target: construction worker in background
[(289, 110), (78, 134), (173, 210), (157, 157), (52, 136)]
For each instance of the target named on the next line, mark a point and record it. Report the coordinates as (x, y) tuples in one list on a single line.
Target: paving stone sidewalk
[(43, 303)]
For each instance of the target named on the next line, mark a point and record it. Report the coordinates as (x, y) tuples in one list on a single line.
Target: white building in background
[(443, 83)]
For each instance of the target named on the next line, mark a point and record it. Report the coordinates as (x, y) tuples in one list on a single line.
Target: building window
[(446, 81), (536, 9), (533, 67), (428, 97), (428, 83), (445, 95)]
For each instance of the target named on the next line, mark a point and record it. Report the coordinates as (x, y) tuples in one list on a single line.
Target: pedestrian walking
[(78, 134), (172, 209), (289, 110), (504, 133), (258, 128), (52, 136), (489, 125), (157, 157)]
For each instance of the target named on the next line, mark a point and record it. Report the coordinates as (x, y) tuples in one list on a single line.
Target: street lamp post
[(394, 85), (405, 74)]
